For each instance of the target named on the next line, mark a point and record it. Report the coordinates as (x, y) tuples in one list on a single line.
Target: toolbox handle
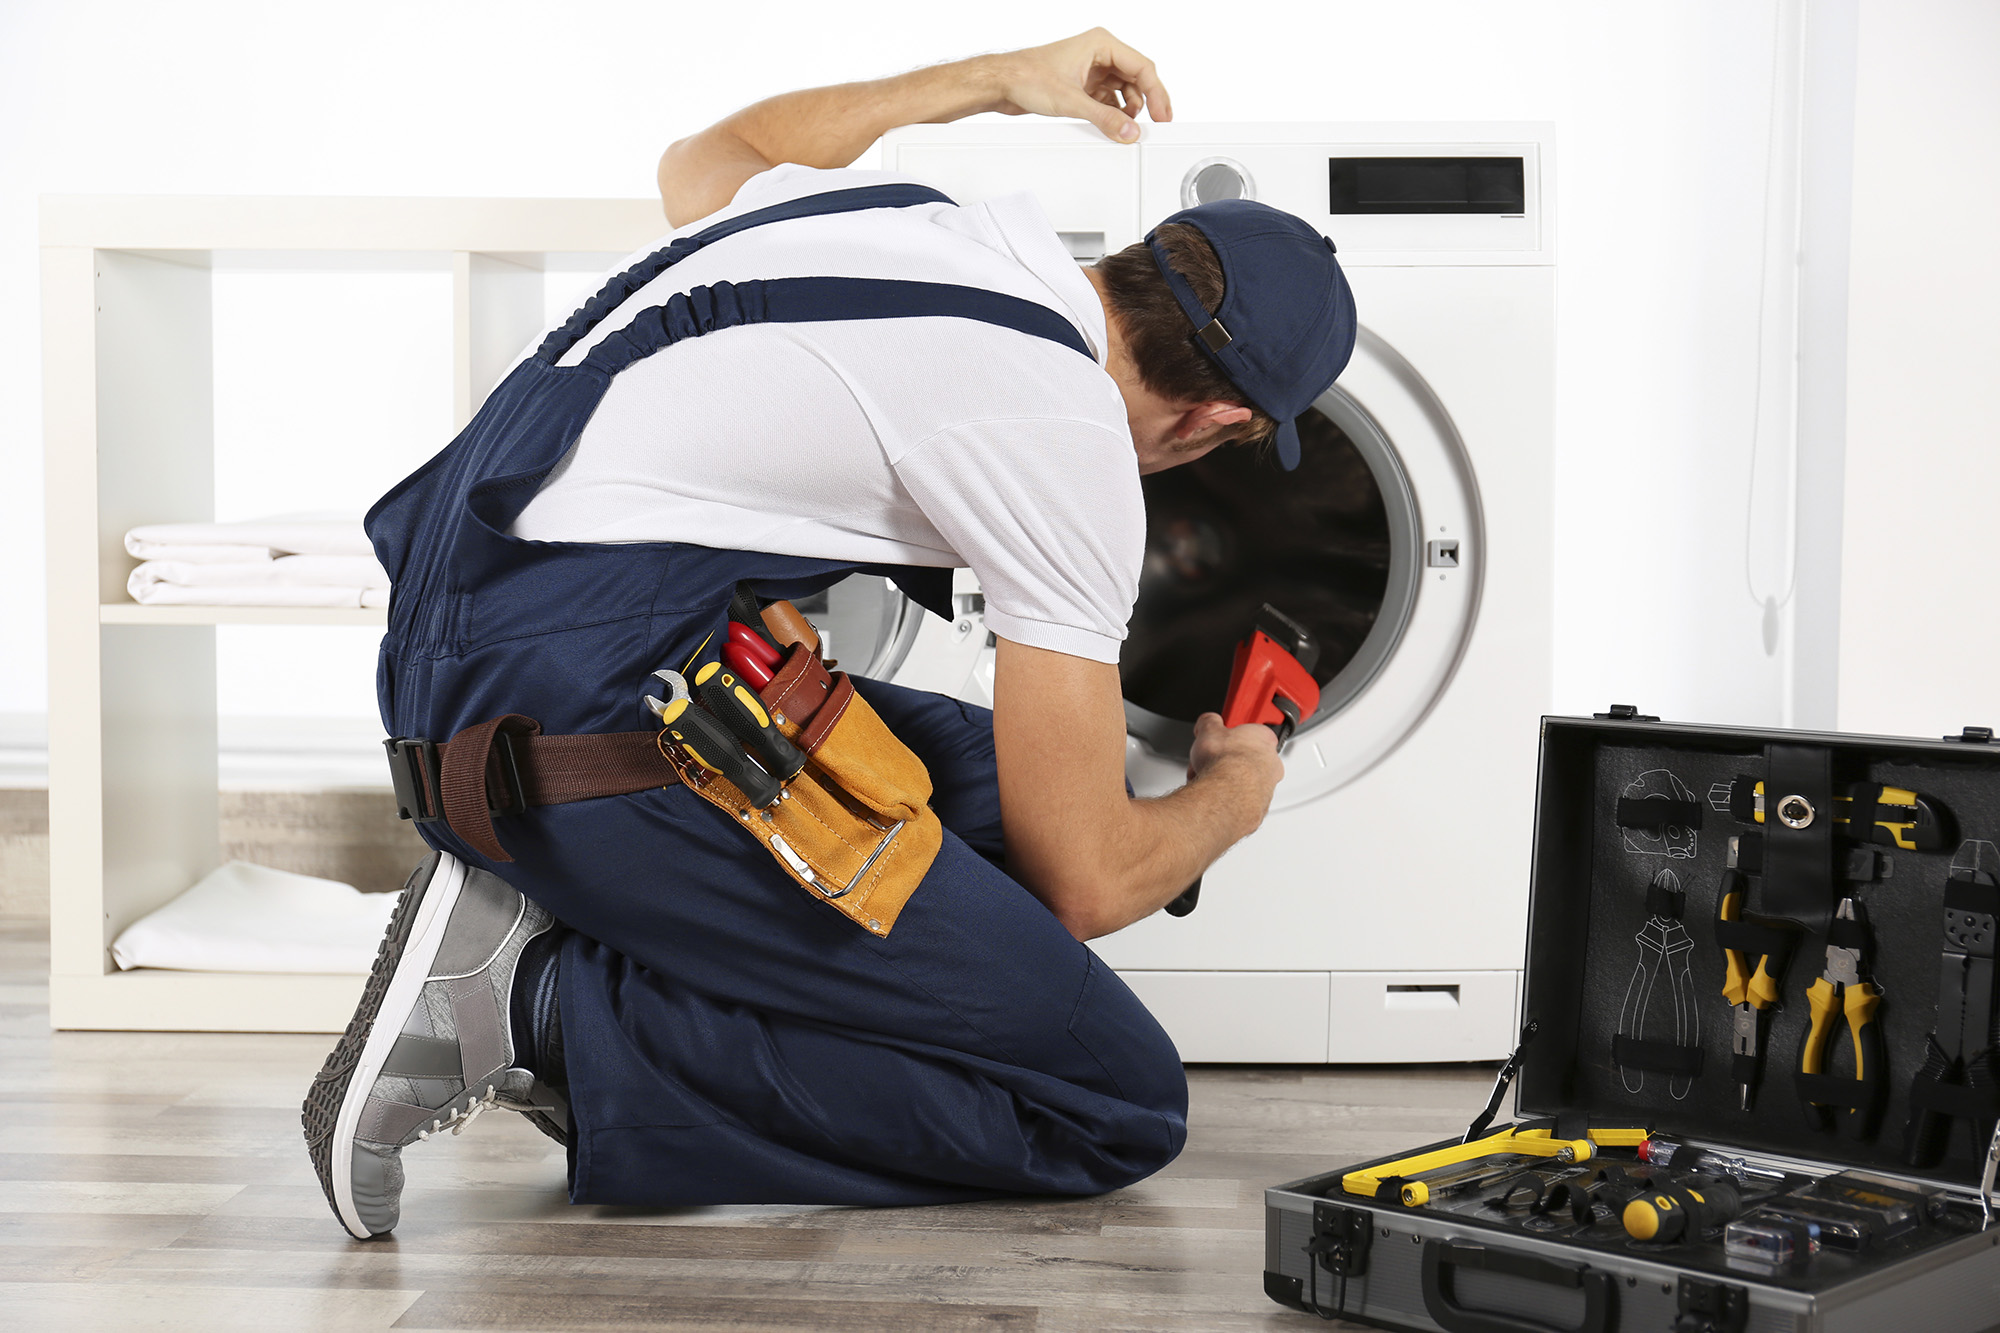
[(1442, 1257)]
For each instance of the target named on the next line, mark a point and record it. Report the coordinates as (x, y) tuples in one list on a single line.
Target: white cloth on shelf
[(244, 917), (254, 594), (197, 555), (287, 534), (293, 560), (315, 571)]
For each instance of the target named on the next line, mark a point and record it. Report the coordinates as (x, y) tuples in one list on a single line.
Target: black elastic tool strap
[(1753, 939), (1798, 863), (1847, 1093), (1844, 933), (1657, 812), (1661, 1057), (1666, 902)]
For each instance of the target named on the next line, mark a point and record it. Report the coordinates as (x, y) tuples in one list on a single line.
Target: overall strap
[(808, 300), (620, 288)]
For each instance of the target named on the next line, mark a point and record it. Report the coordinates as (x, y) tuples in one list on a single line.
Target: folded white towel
[(251, 918), (254, 594), (289, 534), (197, 555), (321, 571)]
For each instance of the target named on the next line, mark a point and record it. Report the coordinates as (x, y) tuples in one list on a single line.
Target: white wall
[(1661, 108), (1920, 614)]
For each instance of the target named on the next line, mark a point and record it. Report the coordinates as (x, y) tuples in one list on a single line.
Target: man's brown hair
[(1157, 330)]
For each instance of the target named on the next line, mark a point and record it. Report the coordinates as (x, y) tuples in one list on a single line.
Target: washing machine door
[(1373, 544)]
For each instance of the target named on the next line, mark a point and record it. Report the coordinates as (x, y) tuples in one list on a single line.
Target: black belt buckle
[(415, 773), (504, 773)]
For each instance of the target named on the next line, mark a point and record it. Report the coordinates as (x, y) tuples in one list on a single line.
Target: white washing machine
[(1379, 914)]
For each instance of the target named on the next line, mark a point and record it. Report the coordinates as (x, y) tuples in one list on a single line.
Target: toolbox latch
[(1712, 1307), (1974, 736), (1625, 713), (1340, 1239)]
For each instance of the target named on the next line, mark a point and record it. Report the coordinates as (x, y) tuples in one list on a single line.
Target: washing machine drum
[(1232, 531)]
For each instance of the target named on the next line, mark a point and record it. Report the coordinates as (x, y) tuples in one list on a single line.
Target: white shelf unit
[(128, 427)]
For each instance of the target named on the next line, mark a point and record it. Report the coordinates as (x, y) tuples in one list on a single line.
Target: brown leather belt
[(504, 765)]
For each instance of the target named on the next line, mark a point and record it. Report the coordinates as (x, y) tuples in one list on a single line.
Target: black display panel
[(1426, 185)]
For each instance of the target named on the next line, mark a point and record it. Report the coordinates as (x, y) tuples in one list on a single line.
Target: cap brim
[(1287, 440)]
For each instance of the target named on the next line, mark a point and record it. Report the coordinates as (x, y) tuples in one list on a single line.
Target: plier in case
[(1958, 1079), (1750, 989), (1840, 991)]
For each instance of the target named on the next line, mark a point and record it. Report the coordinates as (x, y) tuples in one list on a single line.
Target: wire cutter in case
[(1840, 991)]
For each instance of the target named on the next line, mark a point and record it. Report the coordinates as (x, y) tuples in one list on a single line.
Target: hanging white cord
[(1772, 603)]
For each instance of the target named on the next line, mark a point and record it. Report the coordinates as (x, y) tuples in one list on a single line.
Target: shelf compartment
[(156, 1000), (132, 613)]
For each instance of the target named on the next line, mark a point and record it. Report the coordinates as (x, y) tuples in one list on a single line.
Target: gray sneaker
[(446, 1050)]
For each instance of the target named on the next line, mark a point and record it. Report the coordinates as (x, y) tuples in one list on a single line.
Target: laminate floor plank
[(158, 1180)]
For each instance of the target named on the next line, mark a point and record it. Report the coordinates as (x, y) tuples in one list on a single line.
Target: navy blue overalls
[(728, 1038)]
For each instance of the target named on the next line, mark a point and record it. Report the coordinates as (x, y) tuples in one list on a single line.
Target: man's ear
[(1201, 416)]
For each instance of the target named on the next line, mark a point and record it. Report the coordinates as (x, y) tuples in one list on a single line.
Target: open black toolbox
[(1641, 830)]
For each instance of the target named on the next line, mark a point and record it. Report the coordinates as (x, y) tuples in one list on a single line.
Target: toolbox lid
[(1634, 827)]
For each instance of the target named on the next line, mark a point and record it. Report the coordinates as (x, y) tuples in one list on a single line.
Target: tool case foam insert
[(1604, 965)]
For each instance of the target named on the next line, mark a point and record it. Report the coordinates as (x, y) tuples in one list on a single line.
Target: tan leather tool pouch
[(855, 827)]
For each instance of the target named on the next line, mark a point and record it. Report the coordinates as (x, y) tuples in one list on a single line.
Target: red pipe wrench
[(1271, 681)]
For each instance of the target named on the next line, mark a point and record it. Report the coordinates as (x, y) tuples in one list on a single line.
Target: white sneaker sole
[(410, 970)]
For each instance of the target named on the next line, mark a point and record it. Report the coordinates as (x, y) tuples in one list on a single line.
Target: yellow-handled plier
[(1840, 991), (1751, 990)]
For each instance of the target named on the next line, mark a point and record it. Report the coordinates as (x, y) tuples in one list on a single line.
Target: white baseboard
[(261, 753)]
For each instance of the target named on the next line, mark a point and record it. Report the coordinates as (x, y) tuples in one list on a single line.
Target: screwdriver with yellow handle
[(1840, 992), (1871, 812), (1682, 1210), (731, 699), (709, 743), (1752, 991)]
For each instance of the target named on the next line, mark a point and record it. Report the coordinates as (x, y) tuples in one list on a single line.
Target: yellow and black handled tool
[(731, 699), (1841, 992), (1369, 1182), (1750, 990), (709, 743), (1870, 812), (1667, 1213)]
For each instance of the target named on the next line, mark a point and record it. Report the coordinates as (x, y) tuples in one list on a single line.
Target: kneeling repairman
[(852, 971)]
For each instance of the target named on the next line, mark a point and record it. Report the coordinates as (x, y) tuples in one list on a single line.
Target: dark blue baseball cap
[(1286, 326)]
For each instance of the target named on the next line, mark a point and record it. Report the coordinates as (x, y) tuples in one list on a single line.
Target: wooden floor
[(160, 1182)]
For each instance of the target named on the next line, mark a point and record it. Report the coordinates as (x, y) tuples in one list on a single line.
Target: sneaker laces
[(459, 1119)]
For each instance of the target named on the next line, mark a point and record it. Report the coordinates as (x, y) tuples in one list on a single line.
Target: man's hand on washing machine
[(1092, 76)]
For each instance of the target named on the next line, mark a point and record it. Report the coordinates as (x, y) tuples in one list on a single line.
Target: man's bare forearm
[(818, 127), (1092, 76), (1176, 837)]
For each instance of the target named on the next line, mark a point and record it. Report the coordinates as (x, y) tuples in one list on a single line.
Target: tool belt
[(854, 827)]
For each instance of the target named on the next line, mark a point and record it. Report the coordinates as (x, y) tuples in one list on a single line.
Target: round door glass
[(865, 621), (1327, 544)]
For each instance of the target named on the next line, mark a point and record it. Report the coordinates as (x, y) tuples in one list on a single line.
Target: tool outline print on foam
[(1665, 947), (1659, 815)]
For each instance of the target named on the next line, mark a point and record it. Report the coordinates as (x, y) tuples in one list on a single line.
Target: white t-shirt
[(929, 441)]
